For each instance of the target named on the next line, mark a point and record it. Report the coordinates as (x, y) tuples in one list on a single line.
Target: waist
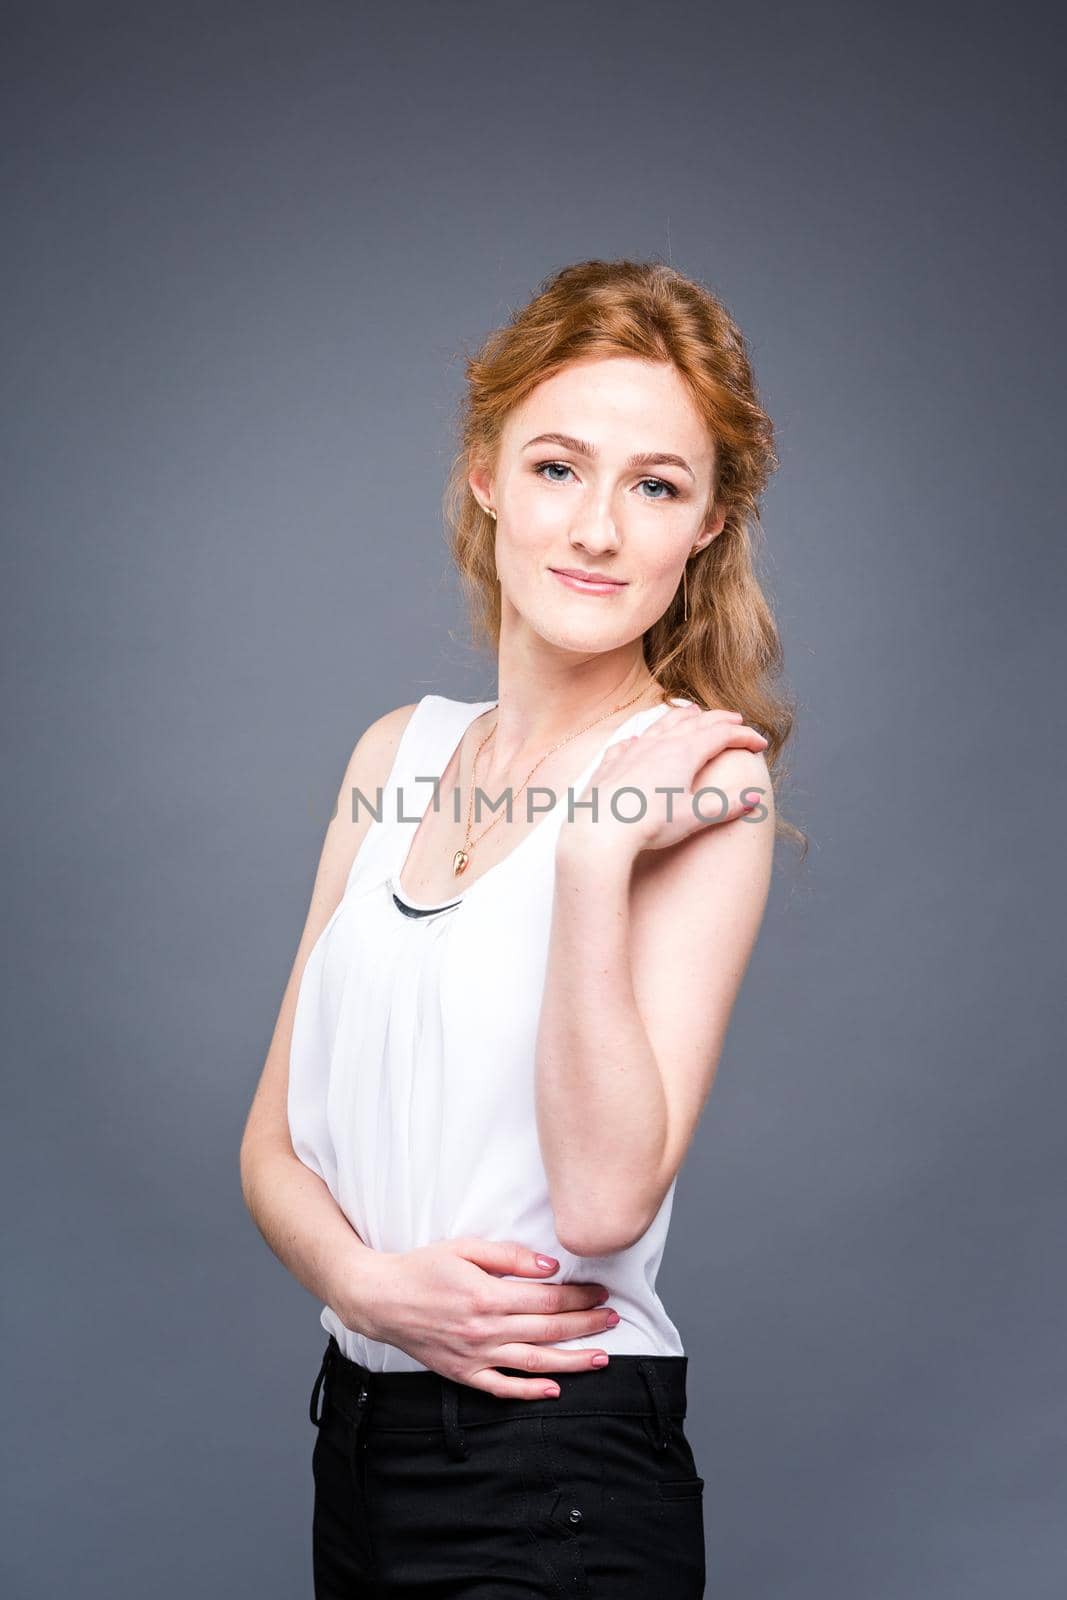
[(630, 1385)]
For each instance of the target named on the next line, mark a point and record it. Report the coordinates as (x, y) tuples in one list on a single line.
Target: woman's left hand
[(673, 753)]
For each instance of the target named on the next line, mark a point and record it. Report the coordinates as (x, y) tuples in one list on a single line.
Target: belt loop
[(648, 1371), (327, 1363), (454, 1437)]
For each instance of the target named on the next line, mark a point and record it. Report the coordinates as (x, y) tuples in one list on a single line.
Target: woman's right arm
[(291, 1205)]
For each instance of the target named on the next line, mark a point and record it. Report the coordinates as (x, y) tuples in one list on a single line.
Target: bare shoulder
[(380, 738), (372, 758), (691, 874), (366, 767), (740, 774), (366, 770)]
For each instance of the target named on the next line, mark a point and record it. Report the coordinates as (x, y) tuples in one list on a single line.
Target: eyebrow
[(579, 447)]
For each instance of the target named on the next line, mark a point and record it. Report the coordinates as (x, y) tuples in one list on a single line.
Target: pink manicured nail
[(599, 1361)]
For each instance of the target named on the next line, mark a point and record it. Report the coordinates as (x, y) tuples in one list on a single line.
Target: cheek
[(548, 521), (655, 588), (661, 574), (529, 540), (534, 514), (520, 555)]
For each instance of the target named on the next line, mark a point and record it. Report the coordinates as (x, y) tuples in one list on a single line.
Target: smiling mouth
[(591, 582)]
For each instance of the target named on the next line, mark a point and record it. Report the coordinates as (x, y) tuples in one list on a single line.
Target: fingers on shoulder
[(735, 768), (744, 777)]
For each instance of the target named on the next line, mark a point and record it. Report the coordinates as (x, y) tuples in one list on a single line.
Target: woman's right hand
[(446, 1305)]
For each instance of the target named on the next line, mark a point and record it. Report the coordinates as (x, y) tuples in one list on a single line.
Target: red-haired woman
[(529, 926)]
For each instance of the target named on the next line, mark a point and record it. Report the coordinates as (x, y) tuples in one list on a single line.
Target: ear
[(481, 484), (711, 530)]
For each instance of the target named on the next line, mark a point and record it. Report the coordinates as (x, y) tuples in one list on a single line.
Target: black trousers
[(428, 1489)]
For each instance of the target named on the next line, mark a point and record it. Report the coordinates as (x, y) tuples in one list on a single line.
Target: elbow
[(248, 1163), (260, 1158), (244, 1167), (603, 1236)]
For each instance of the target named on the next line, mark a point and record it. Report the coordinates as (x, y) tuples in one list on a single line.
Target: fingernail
[(551, 1393), (599, 1361), (547, 1262)]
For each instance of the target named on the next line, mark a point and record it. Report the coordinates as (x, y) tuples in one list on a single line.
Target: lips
[(596, 582)]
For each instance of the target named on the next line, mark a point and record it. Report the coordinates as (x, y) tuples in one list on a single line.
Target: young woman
[(529, 926)]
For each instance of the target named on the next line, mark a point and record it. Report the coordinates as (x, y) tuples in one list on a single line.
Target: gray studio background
[(246, 248)]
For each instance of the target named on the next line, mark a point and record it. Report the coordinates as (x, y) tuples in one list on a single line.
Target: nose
[(595, 530)]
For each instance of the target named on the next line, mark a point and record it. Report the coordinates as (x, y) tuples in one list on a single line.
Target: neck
[(538, 710)]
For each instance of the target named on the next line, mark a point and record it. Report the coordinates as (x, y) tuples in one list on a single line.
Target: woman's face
[(568, 496)]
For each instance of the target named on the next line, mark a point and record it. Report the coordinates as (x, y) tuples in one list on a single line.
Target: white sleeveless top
[(411, 1074)]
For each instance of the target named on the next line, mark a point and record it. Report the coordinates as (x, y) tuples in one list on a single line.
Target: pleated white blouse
[(411, 1074)]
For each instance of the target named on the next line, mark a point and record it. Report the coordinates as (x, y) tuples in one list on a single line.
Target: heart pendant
[(459, 862)]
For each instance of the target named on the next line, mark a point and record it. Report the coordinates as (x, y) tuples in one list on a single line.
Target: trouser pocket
[(555, 1508)]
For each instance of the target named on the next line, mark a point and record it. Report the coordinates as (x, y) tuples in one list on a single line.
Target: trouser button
[(574, 1515)]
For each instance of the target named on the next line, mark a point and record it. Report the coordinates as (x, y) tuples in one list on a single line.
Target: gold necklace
[(461, 857)]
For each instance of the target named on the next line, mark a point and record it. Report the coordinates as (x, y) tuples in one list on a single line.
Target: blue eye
[(544, 466)]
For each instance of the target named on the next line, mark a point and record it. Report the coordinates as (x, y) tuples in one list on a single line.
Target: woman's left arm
[(648, 950)]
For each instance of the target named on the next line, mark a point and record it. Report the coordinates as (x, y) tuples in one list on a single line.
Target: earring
[(685, 587), (492, 514)]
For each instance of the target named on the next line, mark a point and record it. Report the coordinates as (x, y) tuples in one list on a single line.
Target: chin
[(589, 641)]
